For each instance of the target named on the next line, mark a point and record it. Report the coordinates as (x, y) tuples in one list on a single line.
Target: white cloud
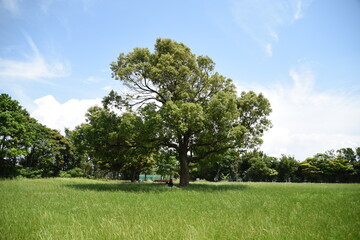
[(306, 122), (300, 7), (107, 88), (273, 35), (53, 114), (262, 19), (268, 49), (298, 10), (11, 5), (93, 79), (35, 67)]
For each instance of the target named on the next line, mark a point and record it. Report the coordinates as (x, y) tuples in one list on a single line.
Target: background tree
[(262, 168), (114, 141), (192, 109), (83, 154), (309, 170), (49, 152), (245, 163), (29, 148), (102, 140), (347, 154), (166, 163), (14, 134), (39, 155), (287, 168), (62, 152), (220, 166), (328, 167)]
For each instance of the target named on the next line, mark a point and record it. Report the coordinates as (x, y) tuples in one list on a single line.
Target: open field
[(89, 209)]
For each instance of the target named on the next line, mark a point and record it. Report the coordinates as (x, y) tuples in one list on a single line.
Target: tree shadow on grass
[(124, 187), (155, 187)]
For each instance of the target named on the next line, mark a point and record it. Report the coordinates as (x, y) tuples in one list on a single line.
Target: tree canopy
[(186, 105)]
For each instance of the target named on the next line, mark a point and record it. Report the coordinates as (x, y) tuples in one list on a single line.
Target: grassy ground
[(89, 209)]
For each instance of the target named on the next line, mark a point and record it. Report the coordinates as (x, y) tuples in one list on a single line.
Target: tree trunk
[(184, 167)]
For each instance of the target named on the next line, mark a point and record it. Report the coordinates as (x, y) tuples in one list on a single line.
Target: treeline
[(107, 145), (342, 165)]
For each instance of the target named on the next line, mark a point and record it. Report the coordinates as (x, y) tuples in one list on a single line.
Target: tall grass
[(89, 209)]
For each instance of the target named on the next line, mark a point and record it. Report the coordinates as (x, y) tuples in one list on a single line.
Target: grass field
[(89, 209)]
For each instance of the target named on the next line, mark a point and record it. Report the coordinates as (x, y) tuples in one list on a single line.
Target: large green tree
[(189, 107)]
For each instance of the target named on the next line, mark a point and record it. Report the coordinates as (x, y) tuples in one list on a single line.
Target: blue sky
[(303, 55)]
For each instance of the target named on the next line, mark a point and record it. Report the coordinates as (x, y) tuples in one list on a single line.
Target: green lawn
[(89, 209)]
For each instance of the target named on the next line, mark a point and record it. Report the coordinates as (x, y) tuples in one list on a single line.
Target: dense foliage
[(28, 148), (105, 146)]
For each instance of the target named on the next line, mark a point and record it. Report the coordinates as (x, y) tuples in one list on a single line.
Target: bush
[(75, 172), (30, 173), (64, 174)]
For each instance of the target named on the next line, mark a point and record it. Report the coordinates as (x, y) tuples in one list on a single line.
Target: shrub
[(64, 174), (76, 172), (30, 173)]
